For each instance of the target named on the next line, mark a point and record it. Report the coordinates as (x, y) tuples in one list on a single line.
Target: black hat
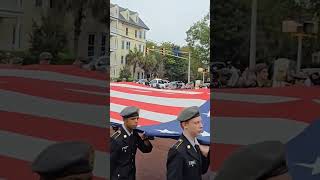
[(188, 113), (64, 159), (255, 161)]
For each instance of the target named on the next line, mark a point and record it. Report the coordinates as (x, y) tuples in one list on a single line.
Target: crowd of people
[(261, 76)]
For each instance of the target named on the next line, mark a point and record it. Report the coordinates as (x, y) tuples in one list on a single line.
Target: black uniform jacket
[(185, 163), (123, 151)]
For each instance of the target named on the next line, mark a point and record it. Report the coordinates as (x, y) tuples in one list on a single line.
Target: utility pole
[(189, 66), (299, 54), (254, 8)]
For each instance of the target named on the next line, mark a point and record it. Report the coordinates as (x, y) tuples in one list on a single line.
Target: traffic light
[(147, 50), (163, 51)]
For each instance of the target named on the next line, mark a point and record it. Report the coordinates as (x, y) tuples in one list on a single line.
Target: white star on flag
[(315, 166), (207, 114), (166, 131), (205, 133)]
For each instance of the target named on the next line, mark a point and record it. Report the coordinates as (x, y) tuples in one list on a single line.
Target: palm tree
[(79, 9), (134, 59), (149, 64)]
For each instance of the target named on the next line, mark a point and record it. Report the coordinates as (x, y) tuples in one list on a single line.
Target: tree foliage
[(49, 36)]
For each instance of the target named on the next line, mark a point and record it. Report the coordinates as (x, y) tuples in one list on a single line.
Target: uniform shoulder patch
[(116, 134), (178, 143)]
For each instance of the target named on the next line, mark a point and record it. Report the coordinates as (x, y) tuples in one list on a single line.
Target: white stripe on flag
[(88, 114), (160, 117), (177, 102)]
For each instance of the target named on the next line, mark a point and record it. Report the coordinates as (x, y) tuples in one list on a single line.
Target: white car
[(154, 83)]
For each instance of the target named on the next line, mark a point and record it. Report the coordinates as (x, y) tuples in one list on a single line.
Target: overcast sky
[(168, 20)]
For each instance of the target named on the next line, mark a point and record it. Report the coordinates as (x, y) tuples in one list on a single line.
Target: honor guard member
[(261, 161), (65, 161), (124, 144), (186, 161)]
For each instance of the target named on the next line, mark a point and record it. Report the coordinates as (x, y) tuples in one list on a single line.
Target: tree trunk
[(77, 31), (134, 71)]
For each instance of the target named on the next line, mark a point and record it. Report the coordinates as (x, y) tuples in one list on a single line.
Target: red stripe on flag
[(54, 90), (54, 130), (64, 69)]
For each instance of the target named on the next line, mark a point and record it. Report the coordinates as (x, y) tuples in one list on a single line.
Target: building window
[(140, 48), (135, 33), (140, 34), (127, 31), (122, 59), (122, 45), (51, 3), (144, 35), (14, 35), (38, 3), (128, 44), (91, 45), (103, 45)]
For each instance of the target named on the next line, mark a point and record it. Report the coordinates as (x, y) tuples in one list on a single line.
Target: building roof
[(140, 23)]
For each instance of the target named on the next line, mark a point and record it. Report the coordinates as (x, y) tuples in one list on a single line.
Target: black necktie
[(199, 154), (197, 148)]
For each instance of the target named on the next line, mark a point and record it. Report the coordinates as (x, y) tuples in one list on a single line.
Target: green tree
[(80, 10), (125, 73), (48, 37), (149, 64), (134, 59), (198, 37)]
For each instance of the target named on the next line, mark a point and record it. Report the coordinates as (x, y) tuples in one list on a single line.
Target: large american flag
[(156, 105), (245, 116), (43, 104)]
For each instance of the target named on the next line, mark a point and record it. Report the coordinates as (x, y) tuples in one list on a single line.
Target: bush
[(30, 59), (13, 57), (125, 73), (63, 58)]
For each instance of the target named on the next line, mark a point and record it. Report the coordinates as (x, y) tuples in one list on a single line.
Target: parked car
[(99, 64), (143, 81), (166, 83), (176, 85), (153, 83)]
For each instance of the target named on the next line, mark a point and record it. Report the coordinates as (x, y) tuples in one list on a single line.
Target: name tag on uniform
[(192, 163), (125, 148)]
